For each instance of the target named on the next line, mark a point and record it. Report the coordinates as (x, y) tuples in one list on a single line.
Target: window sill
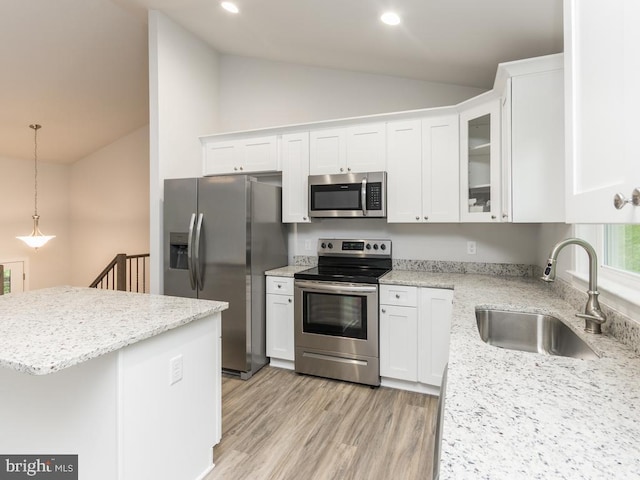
[(616, 295)]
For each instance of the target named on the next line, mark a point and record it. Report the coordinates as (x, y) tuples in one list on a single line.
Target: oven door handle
[(322, 287)]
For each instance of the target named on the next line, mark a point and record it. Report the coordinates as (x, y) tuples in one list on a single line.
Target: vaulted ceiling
[(79, 67)]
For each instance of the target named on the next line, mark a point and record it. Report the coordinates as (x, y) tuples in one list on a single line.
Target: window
[(621, 248), (618, 250)]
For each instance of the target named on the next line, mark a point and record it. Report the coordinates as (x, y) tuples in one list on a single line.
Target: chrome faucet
[(592, 315)]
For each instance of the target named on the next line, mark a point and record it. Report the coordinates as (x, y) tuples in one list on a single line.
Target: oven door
[(337, 317)]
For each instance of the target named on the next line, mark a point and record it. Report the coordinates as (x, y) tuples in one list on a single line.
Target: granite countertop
[(511, 414), (43, 331), (288, 271)]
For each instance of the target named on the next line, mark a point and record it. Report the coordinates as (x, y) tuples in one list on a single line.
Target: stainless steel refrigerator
[(220, 235)]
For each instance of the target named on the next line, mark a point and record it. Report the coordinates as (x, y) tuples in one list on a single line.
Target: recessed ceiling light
[(230, 7), (390, 18)]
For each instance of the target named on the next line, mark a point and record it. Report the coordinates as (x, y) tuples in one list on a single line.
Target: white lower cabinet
[(280, 346), (414, 336), (399, 342)]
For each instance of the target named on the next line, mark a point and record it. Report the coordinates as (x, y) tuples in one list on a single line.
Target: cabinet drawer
[(399, 295), (280, 285)]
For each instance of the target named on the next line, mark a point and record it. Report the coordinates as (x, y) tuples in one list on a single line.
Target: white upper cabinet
[(360, 148), (602, 66), (366, 148), (404, 181), (440, 169), (295, 177), (533, 141), (423, 177), (245, 155), (480, 168)]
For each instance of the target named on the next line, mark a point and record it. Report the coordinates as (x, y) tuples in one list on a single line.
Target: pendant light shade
[(36, 239)]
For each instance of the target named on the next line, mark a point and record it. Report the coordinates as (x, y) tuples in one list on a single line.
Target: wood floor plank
[(280, 425)]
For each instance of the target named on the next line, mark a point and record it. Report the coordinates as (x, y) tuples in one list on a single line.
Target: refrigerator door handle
[(197, 261), (192, 276)]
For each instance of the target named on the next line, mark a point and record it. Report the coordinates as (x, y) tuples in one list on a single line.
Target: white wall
[(49, 265), (109, 205), (258, 93), (496, 243), (183, 103)]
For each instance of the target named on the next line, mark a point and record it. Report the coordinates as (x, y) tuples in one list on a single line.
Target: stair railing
[(127, 273)]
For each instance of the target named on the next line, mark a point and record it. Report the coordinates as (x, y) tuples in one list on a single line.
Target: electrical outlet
[(307, 245), (175, 369), (471, 248)]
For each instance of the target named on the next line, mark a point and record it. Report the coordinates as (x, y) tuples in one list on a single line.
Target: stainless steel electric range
[(336, 310)]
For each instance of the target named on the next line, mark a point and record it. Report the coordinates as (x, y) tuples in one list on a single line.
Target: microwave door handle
[(363, 197), (192, 277), (197, 259)]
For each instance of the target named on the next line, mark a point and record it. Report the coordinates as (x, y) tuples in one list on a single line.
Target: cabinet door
[(280, 327), (536, 124), (222, 157), (436, 308), (602, 65), (440, 169), (404, 172), (480, 173), (399, 342), (328, 151), (260, 154), (295, 182), (366, 148)]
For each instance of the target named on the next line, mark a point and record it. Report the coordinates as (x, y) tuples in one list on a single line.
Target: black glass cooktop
[(342, 274)]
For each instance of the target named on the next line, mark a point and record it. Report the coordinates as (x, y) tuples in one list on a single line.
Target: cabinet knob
[(289, 300), (383, 310), (426, 218), (240, 168), (279, 286), (341, 169), (397, 295), (348, 169), (235, 169), (504, 215), (417, 218), (619, 200), (493, 217), (304, 218)]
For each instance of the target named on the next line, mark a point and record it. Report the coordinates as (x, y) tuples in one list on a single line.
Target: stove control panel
[(354, 247)]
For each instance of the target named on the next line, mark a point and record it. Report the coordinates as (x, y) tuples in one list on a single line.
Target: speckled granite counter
[(516, 415), (44, 331), (288, 271)]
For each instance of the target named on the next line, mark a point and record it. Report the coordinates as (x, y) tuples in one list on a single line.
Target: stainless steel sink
[(531, 332)]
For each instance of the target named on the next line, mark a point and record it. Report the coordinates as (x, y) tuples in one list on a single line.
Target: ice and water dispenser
[(178, 250)]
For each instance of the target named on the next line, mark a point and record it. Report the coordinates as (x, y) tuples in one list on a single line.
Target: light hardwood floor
[(281, 425)]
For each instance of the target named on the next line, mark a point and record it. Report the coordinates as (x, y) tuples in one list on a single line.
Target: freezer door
[(180, 208), (223, 202)]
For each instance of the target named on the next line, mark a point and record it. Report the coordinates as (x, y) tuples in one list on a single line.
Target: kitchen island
[(512, 414), (131, 383)]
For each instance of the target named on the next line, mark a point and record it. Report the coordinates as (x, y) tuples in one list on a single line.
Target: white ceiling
[(79, 67)]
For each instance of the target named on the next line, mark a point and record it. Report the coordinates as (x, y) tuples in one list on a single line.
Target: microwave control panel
[(374, 196)]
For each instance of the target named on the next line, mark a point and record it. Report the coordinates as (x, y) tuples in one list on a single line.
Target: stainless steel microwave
[(348, 195)]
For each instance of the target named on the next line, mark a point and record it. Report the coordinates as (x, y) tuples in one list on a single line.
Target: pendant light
[(36, 239)]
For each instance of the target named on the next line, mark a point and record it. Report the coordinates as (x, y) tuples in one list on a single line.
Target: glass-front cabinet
[(480, 173)]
